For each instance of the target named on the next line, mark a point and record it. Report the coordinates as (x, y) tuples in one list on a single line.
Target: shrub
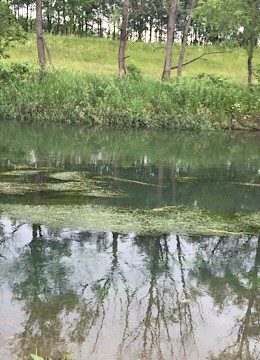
[(188, 103), (14, 70), (133, 71)]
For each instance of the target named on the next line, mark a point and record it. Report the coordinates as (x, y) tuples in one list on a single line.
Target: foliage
[(99, 56), (10, 30), (189, 103), (134, 71), (14, 70), (239, 20), (36, 357)]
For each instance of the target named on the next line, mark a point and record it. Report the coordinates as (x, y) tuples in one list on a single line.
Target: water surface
[(115, 295)]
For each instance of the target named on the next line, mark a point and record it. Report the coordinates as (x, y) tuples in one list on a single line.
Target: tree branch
[(198, 58), (159, 47)]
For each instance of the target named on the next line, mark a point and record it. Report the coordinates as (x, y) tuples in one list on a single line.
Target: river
[(121, 244)]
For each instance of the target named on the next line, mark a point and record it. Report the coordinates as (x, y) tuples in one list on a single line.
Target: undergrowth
[(201, 102)]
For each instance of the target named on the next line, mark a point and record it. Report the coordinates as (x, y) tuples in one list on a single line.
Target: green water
[(129, 245)]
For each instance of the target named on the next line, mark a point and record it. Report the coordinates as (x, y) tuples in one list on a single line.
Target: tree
[(10, 30), (123, 40), (185, 36), (39, 32), (170, 32), (233, 20)]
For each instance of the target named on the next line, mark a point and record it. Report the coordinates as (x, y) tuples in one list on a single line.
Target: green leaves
[(36, 357), (229, 19), (10, 30)]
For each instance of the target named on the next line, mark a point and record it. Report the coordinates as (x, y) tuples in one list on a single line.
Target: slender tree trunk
[(249, 64), (27, 15), (114, 31), (31, 12), (39, 33), (185, 37), (64, 28), (58, 21), (170, 32), (48, 15), (123, 40), (151, 29)]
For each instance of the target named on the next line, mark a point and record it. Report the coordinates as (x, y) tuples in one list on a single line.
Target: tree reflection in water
[(105, 295)]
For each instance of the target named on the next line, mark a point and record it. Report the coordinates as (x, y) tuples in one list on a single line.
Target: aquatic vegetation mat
[(172, 219), (61, 182)]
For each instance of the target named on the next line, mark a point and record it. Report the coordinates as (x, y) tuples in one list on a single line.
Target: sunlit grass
[(99, 56)]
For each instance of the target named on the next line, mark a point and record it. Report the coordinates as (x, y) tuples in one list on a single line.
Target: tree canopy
[(10, 30), (236, 21)]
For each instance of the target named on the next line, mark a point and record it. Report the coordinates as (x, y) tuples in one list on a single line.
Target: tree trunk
[(151, 29), (27, 15), (48, 15), (39, 33), (64, 28), (58, 21), (185, 37), (114, 31), (123, 39), (170, 32), (249, 64)]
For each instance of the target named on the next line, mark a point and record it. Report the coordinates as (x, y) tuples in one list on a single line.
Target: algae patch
[(179, 220), (73, 183), (66, 176), (246, 184), (10, 188), (20, 173), (184, 179)]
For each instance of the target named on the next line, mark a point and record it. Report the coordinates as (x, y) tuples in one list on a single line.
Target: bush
[(133, 71), (14, 70), (188, 103)]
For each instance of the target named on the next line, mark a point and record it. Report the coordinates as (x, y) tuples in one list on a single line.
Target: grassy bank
[(199, 102), (84, 88), (99, 56)]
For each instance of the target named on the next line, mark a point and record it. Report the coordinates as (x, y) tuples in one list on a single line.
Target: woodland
[(215, 27)]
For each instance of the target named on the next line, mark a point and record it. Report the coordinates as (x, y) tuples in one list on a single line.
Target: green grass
[(84, 87), (99, 56), (196, 103)]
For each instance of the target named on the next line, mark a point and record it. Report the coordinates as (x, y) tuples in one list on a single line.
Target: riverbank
[(201, 102), (99, 56)]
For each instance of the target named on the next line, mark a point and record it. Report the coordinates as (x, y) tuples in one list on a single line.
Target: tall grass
[(201, 102), (99, 56)]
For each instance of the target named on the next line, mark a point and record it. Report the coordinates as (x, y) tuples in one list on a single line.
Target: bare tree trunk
[(27, 15), (64, 27), (123, 40), (170, 32), (249, 64), (185, 36), (39, 33)]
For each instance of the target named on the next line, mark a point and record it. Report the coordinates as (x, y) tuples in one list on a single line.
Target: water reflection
[(112, 296), (216, 171)]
